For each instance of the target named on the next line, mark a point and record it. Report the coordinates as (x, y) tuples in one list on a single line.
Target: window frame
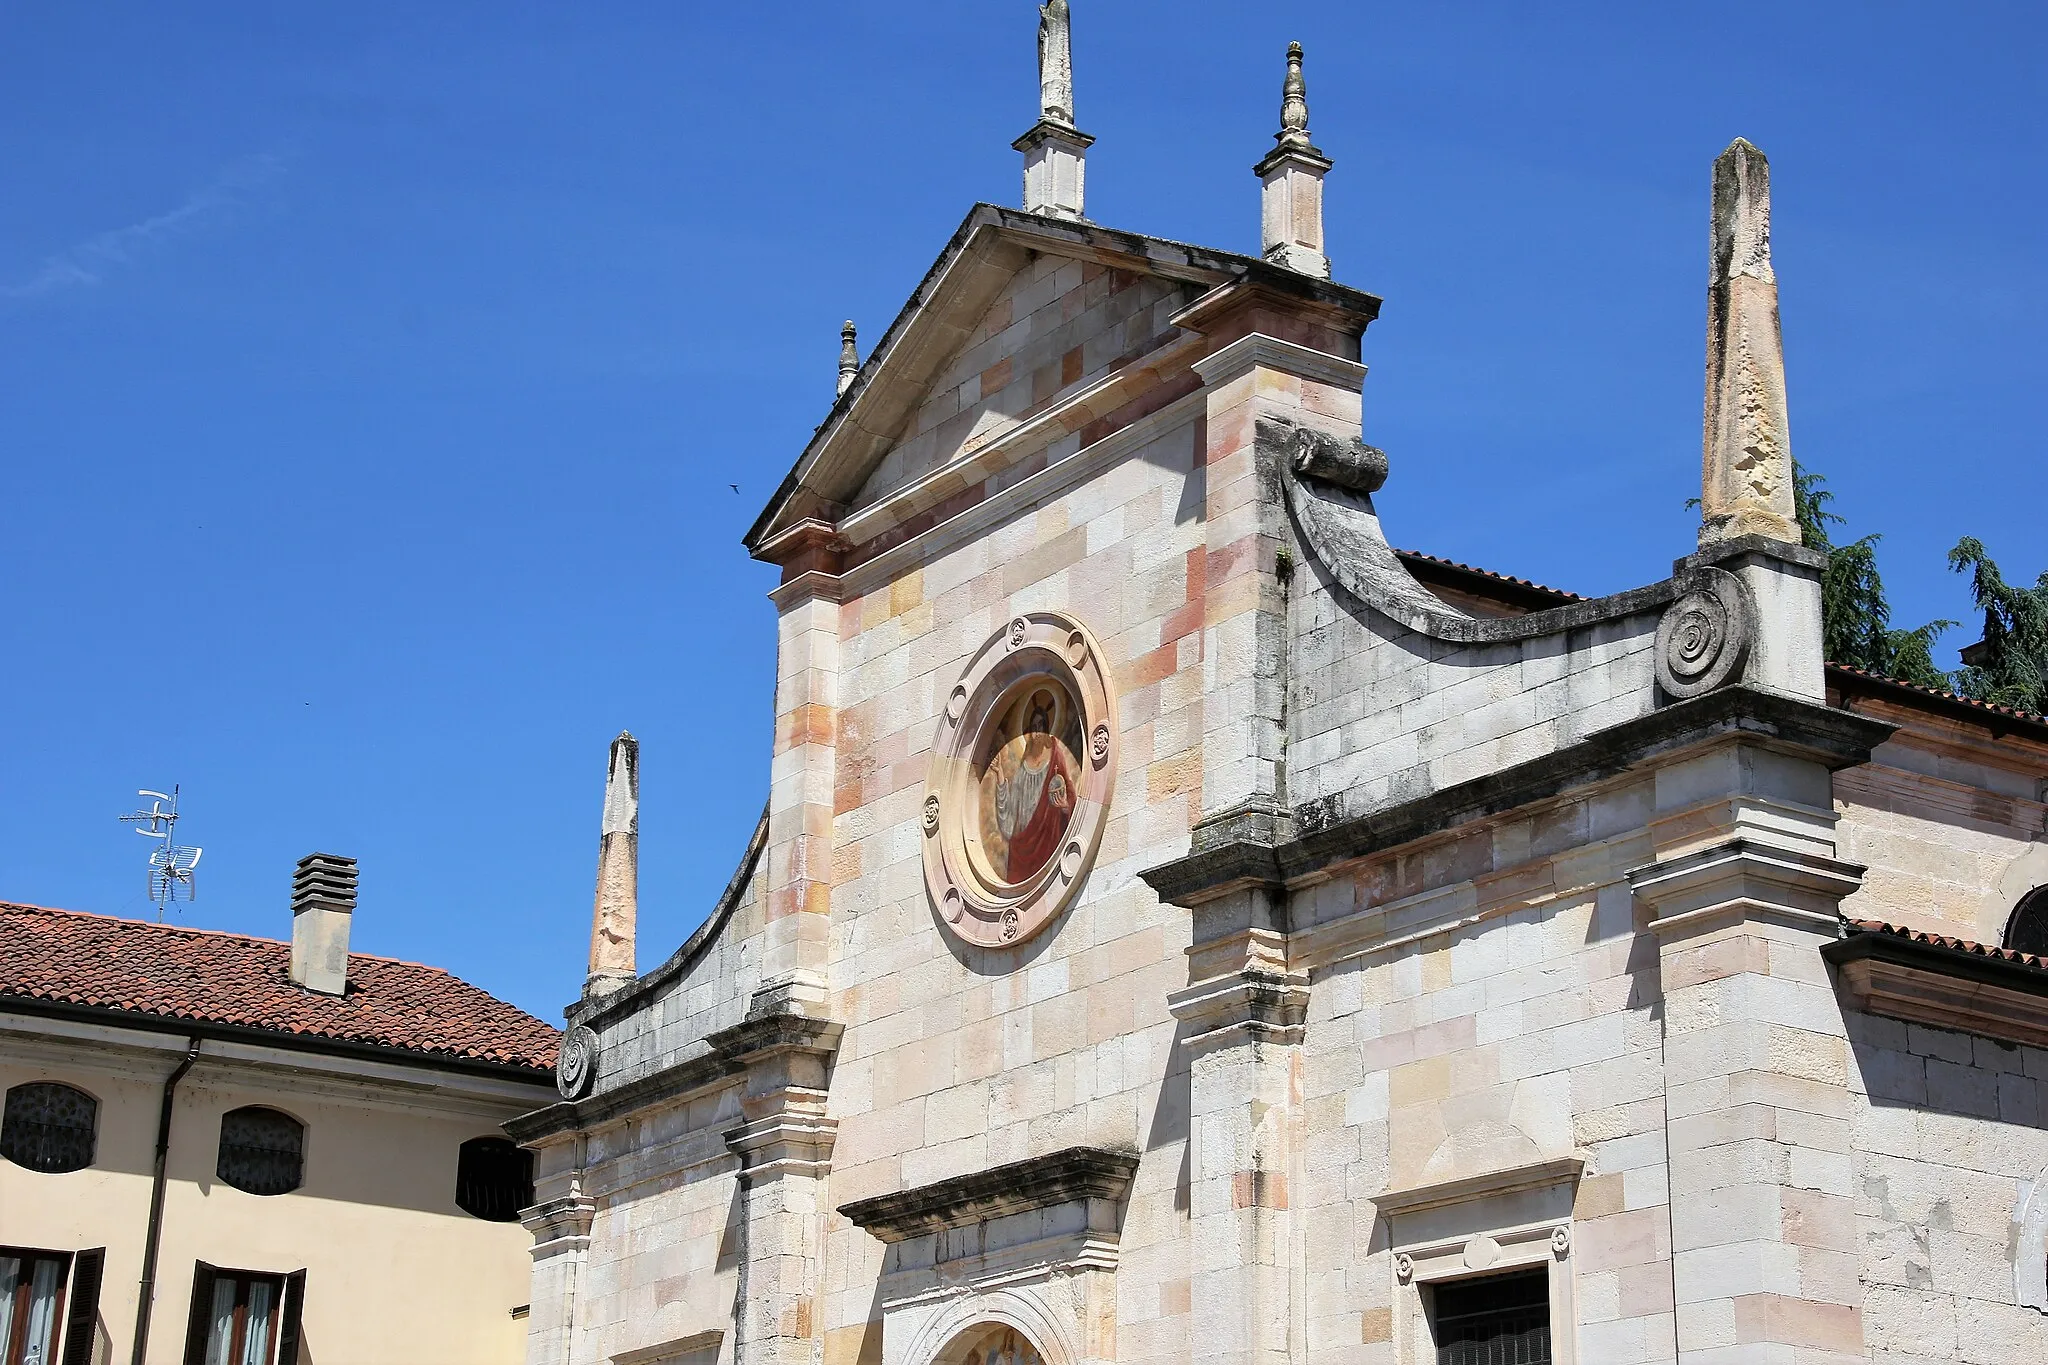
[(511, 1215), (282, 1348), (92, 1137), (1433, 1302), (1478, 1228), (17, 1311), (2032, 903), (221, 1146)]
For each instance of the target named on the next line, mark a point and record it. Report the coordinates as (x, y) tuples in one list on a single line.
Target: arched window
[(261, 1151), (49, 1127), (2027, 930), (493, 1179)]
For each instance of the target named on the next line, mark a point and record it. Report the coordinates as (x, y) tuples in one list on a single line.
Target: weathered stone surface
[(1746, 482)]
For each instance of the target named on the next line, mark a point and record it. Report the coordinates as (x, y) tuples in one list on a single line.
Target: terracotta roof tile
[(1988, 708), (203, 976), (1558, 593), (1961, 945)]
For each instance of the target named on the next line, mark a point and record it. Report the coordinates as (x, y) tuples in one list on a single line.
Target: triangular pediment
[(1018, 314)]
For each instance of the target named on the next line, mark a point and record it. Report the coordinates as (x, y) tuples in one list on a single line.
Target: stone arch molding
[(1036, 653), (2026, 873), (2030, 1246), (955, 1327)]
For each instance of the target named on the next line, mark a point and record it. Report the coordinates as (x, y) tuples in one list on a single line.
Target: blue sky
[(372, 377)]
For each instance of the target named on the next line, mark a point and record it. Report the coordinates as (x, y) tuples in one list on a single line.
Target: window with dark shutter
[(2027, 930), (49, 1127), (1498, 1320), (82, 1315), (261, 1151), (493, 1179), (240, 1316)]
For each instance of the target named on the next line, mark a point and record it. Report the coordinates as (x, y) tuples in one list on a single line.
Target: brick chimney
[(323, 903)]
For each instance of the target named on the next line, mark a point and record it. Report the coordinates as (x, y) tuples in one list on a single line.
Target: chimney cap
[(324, 881)]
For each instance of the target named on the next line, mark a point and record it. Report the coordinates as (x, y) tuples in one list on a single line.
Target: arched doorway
[(991, 1344)]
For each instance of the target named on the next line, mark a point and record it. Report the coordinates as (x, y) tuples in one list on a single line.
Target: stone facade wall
[(1940, 815), (1950, 1134), (1060, 323), (1382, 714), (956, 1059), (709, 995), (1518, 1020), (665, 1243)]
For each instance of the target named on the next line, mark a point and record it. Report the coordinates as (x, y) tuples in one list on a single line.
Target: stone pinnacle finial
[(615, 916), (1294, 105), (1055, 63), (1055, 151), (849, 356), (1746, 484), (1291, 205)]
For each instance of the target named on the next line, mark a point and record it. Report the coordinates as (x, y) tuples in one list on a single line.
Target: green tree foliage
[(2012, 669), (1856, 626)]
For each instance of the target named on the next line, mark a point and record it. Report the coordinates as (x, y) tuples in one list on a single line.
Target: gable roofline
[(991, 244)]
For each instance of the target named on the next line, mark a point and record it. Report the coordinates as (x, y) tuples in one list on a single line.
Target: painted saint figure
[(1028, 787)]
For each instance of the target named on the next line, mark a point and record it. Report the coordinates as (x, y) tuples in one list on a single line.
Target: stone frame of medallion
[(967, 898), (1517, 1219)]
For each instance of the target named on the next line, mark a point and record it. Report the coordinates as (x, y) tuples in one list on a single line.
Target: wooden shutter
[(82, 1318), (201, 1317), (294, 1306)]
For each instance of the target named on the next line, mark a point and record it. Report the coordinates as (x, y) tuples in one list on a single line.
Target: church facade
[(1185, 925)]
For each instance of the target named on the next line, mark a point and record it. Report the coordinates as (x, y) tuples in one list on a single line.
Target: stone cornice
[(1038, 1182), (1271, 353), (1929, 983), (1836, 739), (731, 1052), (560, 1225), (1748, 879), (1415, 1199), (1268, 1006)]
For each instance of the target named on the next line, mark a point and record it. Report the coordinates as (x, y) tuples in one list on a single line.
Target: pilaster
[(1242, 1022), (561, 1248), (1765, 1257), (797, 863), (1250, 557), (785, 1152)]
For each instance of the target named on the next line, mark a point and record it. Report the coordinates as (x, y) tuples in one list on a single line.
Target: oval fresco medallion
[(1022, 769)]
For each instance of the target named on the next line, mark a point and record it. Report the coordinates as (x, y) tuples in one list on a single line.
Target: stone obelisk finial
[(1746, 475), (1055, 63), (1055, 151), (849, 356), (616, 913), (1291, 203)]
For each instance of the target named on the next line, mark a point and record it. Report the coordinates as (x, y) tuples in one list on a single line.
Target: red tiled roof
[(2010, 712), (202, 976), (1961, 945), (1559, 593)]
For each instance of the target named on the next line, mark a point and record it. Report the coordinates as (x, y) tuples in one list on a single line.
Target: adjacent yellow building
[(227, 1150)]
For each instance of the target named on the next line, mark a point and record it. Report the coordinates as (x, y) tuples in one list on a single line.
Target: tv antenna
[(171, 865)]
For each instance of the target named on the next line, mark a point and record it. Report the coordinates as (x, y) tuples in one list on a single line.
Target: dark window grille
[(1499, 1320), (261, 1151), (49, 1127), (493, 1179), (2027, 931)]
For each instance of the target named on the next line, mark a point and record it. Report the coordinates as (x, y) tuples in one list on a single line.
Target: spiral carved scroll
[(576, 1069), (1703, 642)]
